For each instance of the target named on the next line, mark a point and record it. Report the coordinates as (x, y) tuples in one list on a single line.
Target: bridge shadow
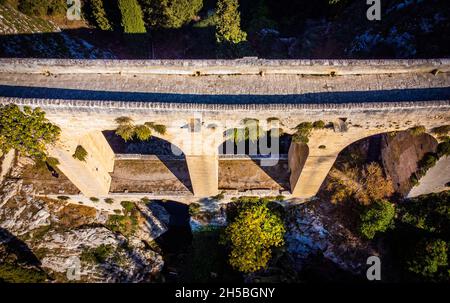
[(274, 169), (393, 95), (161, 148), (20, 249)]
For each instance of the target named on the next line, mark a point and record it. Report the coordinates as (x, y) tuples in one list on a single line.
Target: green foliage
[(128, 206), (80, 153), (377, 217), (142, 132), (27, 131), (128, 130), (12, 273), (253, 233), (109, 200), (441, 130), (97, 254), (417, 130), (63, 198), (428, 212), (94, 199), (430, 257), (219, 196), (322, 147), (251, 131), (132, 18), (170, 13), (319, 124), (302, 132), (97, 10), (228, 27), (126, 224), (194, 209), (43, 8), (443, 148)]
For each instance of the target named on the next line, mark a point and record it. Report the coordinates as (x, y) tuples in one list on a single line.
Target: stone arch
[(155, 168)]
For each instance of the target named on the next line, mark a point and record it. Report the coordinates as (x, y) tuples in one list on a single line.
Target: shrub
[(132, 19), (417, 130), (98, 254), (377, 217), (26, 131), (97, 10), (52, 162), (228, 27), (194, 209), (43, 7), (322, 147), (128, 130), (429, 257), (63, 198), (428, 212), (318, 124), (302, 132), (146, 200), (80, 153), (252, 235), (364, 185), (11, 273), (170, 13), (441, 130), (128, 206), (109, 200), (219, 196), (94, 199), (443, 148)]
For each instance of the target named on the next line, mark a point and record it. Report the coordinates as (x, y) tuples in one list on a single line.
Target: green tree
[(228, 26), (27, 131), (252, 235), (128, 130), (132, 19), (98, 13), (430, 256), (43, 7), (170, 13), (377, 217)]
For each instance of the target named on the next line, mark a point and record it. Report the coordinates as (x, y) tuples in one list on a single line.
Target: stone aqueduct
[(193, 99)]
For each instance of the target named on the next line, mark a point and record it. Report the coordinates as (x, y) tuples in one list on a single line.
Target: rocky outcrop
[(314, 229), (70, 241)]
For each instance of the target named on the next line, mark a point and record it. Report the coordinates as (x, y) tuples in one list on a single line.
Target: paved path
[(229, 88), (434, 180)]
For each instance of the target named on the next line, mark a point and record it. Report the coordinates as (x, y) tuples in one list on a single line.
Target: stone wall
[(245, 66)]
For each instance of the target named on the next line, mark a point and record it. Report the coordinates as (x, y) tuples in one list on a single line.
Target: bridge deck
[(231, 89)]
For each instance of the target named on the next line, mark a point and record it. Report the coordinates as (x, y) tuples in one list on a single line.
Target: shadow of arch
[(170, 155), (276, 169), (19, 248)]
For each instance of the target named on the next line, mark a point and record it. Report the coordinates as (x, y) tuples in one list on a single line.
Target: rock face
[(313, 229), (69, 242), (400, 155)]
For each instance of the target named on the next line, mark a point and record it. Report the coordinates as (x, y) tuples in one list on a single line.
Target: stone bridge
[(198, 100)]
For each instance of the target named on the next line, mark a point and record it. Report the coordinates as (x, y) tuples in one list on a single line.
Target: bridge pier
[(204, 174), (92, 176)]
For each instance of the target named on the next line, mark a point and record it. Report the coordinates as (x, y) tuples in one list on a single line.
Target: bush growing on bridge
[(27, 131), (127, 130), (132, 19), (80, 153), (252, 234), (170, 13), (417, 130)]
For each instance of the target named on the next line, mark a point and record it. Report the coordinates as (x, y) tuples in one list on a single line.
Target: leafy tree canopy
[(377, 217), (170, 13), (252, 235), (132, 19), (27, 131)]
